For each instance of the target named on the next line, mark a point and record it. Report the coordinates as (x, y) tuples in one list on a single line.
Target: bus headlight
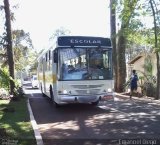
[(109, 90), (62, 92), (65, 92)]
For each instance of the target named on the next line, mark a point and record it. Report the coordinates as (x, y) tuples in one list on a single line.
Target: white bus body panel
[(82, 91)]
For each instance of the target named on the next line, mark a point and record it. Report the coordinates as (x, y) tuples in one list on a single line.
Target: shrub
[(4, 79), (5, 83)]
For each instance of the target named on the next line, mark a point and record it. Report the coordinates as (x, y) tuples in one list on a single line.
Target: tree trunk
[(158, 77), (113, 37), (157, 53), (9, 44), (121, 78)]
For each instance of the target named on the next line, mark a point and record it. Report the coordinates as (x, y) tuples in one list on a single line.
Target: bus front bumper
[(86, 98)]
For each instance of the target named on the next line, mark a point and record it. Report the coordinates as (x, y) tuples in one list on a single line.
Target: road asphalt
[(38, 136)]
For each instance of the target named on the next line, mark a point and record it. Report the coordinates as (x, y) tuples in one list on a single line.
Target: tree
[(126, 14), (113, 38), (22, 44), (22, 48), (9, 44), (155, 16)]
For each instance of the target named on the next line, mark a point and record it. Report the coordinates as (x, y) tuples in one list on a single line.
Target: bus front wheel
[(42, 91), (95, 103), (52, 98)]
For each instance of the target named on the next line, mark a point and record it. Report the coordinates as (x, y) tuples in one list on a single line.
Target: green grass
[(17, 122)]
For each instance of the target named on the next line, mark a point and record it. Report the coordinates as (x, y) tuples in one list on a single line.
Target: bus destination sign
[(83, 41)]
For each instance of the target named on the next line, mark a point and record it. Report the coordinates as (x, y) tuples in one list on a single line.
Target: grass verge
[(15, 126)]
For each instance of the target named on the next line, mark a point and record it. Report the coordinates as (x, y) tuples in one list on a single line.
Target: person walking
[(133, 83)]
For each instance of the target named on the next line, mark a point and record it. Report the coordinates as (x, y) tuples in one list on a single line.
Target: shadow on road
[(75, 122)]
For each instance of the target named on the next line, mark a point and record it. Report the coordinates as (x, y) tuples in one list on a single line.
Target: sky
[(42, 17)]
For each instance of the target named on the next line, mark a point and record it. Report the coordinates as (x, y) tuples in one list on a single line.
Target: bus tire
[(95, 103), (42, 91), (52, 98), (43, 95)]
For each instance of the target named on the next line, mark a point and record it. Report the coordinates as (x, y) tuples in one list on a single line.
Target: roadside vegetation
[(15, 122), (15, 47), (15, 125)]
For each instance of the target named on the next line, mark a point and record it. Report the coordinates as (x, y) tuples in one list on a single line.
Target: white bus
[(78, 70)]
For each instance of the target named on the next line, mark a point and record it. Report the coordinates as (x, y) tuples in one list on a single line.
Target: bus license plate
[(107, 97)]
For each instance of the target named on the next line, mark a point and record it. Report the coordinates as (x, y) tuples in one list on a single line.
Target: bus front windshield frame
[(85, 64)]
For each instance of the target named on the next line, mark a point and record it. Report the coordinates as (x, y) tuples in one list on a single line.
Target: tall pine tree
[(9, 44)]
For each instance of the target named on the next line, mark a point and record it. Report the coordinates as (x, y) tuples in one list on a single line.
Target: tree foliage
[(59, 32), (22, 44)]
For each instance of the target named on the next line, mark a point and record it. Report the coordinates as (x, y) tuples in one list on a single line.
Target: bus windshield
[(85, 64)]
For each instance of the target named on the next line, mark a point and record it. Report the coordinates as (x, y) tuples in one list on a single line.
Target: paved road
[(79, 124)]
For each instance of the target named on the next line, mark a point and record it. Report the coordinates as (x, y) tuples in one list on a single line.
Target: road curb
[(37, 134), (142, 99)]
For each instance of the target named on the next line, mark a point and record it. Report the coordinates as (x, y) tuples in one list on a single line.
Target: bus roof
[(71, 41)]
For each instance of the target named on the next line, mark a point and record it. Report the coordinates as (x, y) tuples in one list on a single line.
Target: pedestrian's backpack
[(134, 79)]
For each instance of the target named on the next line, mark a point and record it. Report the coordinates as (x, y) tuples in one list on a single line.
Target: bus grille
[(86, 86), (92, 91)]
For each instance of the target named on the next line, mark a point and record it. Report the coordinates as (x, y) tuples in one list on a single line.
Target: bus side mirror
[(55, 57)]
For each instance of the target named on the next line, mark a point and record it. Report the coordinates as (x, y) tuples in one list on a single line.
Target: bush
[(4, 79), (18, 92), (149, 89), (5, 83)]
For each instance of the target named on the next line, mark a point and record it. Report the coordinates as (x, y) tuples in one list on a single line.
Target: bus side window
[(55, 56)]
